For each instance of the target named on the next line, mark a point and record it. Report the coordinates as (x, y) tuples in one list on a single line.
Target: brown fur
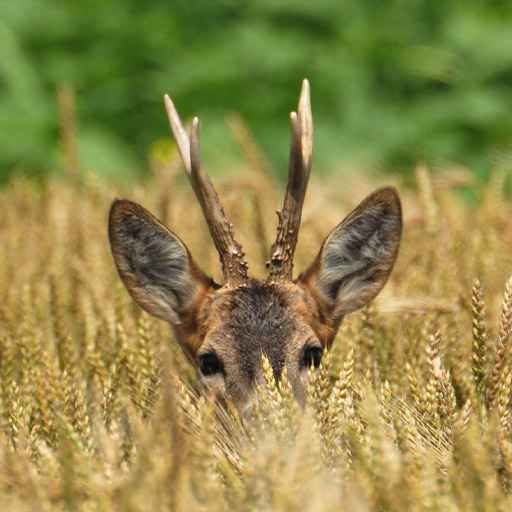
[(224, 330), (239, 324)]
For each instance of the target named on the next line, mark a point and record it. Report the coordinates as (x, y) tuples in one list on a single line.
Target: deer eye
[(210, 364), (312, 357)]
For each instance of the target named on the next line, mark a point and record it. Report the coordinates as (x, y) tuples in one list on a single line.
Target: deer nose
[(246, 405), (259, 380), (246, 408)]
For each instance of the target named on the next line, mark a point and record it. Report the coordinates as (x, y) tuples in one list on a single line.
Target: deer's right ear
[(154, 264)]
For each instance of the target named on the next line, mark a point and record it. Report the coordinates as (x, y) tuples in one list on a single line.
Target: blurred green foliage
[(393, 82)]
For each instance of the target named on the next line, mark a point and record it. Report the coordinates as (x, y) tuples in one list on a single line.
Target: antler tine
[(301, 153), (234, 266)]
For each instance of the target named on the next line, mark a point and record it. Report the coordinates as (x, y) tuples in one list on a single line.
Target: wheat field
[(410, 411)]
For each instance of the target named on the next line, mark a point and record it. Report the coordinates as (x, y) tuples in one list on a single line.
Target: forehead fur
[(258, 318)]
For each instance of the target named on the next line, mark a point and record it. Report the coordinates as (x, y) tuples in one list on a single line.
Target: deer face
[(225, 329)]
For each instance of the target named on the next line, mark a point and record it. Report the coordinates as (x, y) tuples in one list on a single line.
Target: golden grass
[(411, 410)]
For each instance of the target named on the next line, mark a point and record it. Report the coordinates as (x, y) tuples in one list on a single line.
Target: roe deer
[(225, 328)]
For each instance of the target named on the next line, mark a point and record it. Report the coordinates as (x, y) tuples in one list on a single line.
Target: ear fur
[(153, 263), (357, 257)]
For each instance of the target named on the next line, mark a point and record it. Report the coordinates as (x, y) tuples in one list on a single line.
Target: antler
[(301, 152), (234, 266)]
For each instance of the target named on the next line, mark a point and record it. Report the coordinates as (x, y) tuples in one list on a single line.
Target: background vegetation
[(412, 409), (99, 410), (393, 83)]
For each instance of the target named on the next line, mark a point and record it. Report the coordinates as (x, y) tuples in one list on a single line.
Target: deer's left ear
[(357, 257)]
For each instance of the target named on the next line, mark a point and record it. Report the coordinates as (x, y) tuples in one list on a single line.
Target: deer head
[(225, 328)]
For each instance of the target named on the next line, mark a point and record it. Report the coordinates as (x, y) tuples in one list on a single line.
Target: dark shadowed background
[(393, 83)]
